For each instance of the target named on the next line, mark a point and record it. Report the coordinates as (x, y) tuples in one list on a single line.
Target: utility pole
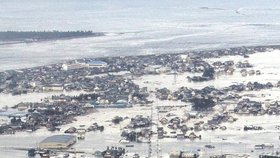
[(175, 77)]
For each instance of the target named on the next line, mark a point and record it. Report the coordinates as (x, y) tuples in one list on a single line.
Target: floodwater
[(135, 27), (233, 140)]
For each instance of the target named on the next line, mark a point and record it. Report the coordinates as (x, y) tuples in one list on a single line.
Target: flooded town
[(139, 79), (216, 103)]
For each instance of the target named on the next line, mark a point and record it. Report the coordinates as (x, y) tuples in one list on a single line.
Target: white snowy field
[(135, 27)]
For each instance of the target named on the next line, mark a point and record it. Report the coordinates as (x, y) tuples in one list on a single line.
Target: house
[(184, 154), (181, 136), (22, 106), (53, 87), (121, 104), (58, 142)]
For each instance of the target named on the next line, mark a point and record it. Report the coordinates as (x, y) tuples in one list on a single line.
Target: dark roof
[(59, 139)]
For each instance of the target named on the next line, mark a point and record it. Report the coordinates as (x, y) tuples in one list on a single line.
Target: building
[(96, 63), (53, 87), (184, 154), (58, 142), (118, 104), (185, 57), (121, 104), (73, 66), (81, 133), (22, 107)]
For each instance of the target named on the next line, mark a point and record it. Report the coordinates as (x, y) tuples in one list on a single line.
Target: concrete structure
[(58, 142)]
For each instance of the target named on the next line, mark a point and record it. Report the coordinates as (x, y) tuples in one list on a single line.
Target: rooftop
[(59, 139), (96, 62)]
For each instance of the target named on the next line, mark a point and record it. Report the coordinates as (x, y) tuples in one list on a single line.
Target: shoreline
[(272, 46), (37, 39)]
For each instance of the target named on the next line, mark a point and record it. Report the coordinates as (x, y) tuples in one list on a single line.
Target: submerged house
[(58, 142)]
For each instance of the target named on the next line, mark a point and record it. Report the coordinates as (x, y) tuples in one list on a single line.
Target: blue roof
[(96, 62)]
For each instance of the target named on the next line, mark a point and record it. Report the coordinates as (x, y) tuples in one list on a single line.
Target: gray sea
[(135, 27)]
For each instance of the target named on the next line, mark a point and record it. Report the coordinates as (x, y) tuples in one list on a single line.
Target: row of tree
[(44, 35)]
